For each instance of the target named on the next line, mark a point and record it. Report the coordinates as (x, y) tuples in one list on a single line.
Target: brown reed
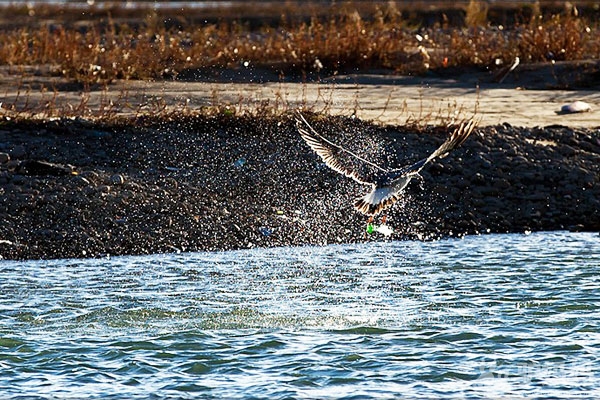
[(105, 51)]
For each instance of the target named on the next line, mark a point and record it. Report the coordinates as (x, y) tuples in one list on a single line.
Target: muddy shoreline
[(225, 182)]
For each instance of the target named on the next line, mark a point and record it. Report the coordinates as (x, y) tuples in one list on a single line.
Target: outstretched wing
[(457, 137), (336, 157), (388, 190)]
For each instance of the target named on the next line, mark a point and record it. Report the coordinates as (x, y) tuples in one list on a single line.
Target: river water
[(484, 316)]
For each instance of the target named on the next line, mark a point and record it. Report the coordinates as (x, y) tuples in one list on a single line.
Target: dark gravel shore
[(227, 182)]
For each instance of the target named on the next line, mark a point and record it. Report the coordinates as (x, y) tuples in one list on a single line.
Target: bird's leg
[(369, 228)]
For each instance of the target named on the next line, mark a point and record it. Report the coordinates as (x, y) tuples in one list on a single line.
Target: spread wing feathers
[(387, 184), (336, 157), (457, 137), (381, 197)]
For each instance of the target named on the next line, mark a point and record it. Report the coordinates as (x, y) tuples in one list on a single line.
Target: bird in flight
[(386, 184)]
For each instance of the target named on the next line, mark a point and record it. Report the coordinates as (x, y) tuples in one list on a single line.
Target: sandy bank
[(529, 96)]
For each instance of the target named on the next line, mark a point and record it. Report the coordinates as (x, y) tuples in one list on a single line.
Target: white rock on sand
[(575, 107)]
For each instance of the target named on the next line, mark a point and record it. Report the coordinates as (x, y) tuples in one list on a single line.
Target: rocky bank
[(73, 188)]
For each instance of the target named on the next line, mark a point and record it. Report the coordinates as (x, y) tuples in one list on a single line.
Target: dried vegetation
[(105, 49)]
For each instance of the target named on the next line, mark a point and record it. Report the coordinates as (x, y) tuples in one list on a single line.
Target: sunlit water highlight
[(486, 316)]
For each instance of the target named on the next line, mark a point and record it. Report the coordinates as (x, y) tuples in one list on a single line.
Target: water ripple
[(489, 316)]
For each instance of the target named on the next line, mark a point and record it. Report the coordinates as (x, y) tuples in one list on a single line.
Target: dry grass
[(103, 52), (557, 38)]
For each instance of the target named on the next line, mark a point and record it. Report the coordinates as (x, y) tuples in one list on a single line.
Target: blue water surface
[(485, 316)]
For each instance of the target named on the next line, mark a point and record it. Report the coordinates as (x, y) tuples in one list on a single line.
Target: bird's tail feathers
[(376, 201)]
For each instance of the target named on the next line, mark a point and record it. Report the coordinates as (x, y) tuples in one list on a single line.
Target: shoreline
[(224, 182), (530, 96)]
